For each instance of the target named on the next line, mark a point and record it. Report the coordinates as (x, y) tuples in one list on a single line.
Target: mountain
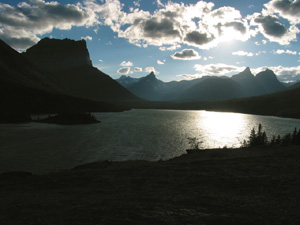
[(212, 89), (15, 68), (127, 81), (148, 87), (269, 81), (207, 88), (68, 63), (25, 88), (250, 85), (153, 89)]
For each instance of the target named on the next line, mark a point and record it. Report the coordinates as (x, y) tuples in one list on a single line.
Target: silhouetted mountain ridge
[(15, 68), (68, 63), (55, 55), (26, 88), (207, 88)]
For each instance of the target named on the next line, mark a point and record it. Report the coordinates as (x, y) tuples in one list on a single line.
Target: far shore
[(216, 186)]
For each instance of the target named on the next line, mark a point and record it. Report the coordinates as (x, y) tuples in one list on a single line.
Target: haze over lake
[(132, 135)]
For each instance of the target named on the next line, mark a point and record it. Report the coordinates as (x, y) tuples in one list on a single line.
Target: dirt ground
[(225, 186)]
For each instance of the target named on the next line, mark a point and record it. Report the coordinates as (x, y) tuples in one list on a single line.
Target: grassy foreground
[(227, 186)]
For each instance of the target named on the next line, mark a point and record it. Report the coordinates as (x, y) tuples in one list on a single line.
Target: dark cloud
[(186, 54), (170, 14), (271, 26), (198, 38), (287, 6), (239, 26), (21, 24), (124, 70), (39, 13), (157, 29)]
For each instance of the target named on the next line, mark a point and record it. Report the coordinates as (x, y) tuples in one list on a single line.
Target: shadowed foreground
[(257, 186)]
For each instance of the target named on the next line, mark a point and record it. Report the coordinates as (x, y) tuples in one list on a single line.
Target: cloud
[(100, 60), (168, 27), (138, 69), (150, 69), (281, 51), (124, 70), (287, 9), (124, 63), (260, 52), (216, 69), (174, 24), (243, 53), (271, 28), (137, 3), (170, 48), (16, 40), (160, 62), (21, 25), (87, 38), (198, 39), (159, 4), (188, 76), (158, 28), (287, 74), (207, 58), (186, 54)]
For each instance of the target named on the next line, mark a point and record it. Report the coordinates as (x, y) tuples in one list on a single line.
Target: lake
[(132, 135)]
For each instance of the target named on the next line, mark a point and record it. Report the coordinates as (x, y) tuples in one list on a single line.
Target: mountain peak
[(151, 74), (269, 80), (150, 77), (267, 73), (246, 74), (247, 70)]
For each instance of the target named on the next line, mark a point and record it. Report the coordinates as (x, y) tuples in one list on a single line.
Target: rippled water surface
[(136, 134)]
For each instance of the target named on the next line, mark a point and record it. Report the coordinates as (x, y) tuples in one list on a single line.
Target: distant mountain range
[(207, 88)]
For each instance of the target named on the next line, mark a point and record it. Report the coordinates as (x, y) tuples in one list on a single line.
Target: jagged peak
[(244, 74), (247, 70), (152, 74)]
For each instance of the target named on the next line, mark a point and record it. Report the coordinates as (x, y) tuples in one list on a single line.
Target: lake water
[(131, 135)]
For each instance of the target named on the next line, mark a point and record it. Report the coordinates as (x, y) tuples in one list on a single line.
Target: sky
[(175, 39)]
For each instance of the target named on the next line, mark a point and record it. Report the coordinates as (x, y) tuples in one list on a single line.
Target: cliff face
[(54, 55)]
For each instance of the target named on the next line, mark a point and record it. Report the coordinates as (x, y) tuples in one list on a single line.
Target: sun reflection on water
[(221, 128)]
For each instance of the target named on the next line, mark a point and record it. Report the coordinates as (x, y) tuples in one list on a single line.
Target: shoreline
[(217, 186)]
